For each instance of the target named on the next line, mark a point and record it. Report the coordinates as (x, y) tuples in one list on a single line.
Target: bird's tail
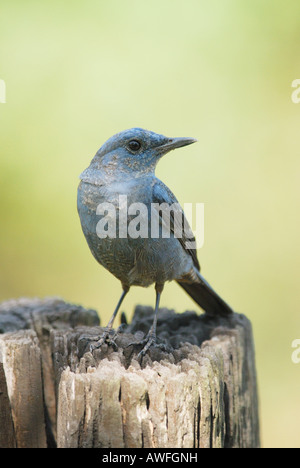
[(204, 295)]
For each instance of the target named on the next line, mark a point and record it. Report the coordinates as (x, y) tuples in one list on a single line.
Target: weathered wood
[(201, 394), (7, 435), (22, 366), (26, 360)]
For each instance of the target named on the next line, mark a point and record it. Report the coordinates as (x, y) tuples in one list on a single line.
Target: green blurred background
[(221, 71)]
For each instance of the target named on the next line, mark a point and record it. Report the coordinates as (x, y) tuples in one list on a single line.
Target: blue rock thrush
[(123, 172)]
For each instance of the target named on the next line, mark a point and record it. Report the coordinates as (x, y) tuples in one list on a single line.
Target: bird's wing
[(178, 222)]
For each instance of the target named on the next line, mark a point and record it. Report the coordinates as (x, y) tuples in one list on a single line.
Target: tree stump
[(54, 392)]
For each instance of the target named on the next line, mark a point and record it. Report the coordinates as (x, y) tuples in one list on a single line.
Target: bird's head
[(134, 152)]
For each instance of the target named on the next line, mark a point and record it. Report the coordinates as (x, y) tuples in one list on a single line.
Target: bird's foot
[(149, 342), (106, 338)]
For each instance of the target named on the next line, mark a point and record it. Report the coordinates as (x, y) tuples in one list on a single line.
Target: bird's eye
[(134, 145)]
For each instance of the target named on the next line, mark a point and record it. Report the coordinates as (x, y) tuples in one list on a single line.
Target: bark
[(202, 393)]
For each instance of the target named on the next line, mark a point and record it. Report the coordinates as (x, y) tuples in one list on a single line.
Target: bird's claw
[(149, 342), (105, 338)]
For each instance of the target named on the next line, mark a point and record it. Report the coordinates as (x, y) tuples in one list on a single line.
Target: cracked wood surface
[(53, 392)]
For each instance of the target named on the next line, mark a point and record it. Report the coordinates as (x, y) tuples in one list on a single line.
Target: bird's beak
[(174, 143)]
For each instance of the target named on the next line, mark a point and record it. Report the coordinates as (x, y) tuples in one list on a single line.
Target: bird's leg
[(150, 339), (108, 327)]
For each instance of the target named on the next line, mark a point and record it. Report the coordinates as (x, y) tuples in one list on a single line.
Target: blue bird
[(121, 176)]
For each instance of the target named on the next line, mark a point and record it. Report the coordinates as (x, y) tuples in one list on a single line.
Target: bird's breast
[(116, 222)]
